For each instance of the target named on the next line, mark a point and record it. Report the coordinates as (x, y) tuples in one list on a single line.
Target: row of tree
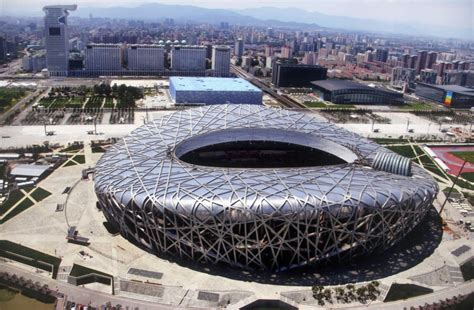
[(346, 294), (22, 282)]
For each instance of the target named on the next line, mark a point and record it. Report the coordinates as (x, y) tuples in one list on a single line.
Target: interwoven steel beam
[(256, 218)]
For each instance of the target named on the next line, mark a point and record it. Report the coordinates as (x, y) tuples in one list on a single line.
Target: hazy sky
[(455, 13)]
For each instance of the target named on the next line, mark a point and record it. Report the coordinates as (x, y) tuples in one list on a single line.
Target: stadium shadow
[(416, 246)]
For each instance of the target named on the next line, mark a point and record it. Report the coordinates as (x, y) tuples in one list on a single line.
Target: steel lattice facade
[(257, 218)]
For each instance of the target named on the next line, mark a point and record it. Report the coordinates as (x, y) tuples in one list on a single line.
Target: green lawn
[(388, 141), (70, 163), (337, 106), (462, 183), (404, 291), (418, 106), (469, 156), (39, 194), (22, 206), (468, 176), (80, 159), (404, 150), (315, 104), (13, 198), (37, 259), (95, 102), (109, 102)]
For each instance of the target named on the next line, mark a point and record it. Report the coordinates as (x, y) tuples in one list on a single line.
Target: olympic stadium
[(259, 188)]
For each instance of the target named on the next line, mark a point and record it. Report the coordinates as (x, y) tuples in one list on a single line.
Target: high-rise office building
[(221, 61), (34, 63), (146, 58), (286, 74), (57, 38), (188, 58), (421, 61), (103, 59), (239, 48)]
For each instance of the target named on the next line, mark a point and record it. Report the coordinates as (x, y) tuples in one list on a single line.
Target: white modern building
[(103, 59), (221, 61), (57, 38), (190, 59), (34, 63), (145, 59)]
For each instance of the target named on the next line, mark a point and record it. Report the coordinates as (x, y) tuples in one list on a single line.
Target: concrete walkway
[(83, 295)]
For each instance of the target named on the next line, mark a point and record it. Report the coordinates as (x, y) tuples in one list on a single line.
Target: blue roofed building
[(211, 90)]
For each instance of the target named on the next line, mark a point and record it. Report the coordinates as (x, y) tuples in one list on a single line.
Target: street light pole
[(452, 187), (408, 123)]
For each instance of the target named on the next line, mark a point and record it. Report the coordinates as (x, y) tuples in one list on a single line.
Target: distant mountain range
[(184, 13), (265, 16), (357, 24)]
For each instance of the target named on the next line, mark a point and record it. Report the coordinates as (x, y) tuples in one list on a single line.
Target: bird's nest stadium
[(259, 188)]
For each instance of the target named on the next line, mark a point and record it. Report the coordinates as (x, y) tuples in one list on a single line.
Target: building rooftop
[(211, 84), (29, 170), (333, 85), (453, 88)]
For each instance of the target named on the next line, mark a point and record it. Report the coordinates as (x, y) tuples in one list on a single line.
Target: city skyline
[(433, 13)]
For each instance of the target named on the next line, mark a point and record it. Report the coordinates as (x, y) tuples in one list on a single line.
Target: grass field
[(404, 150), (22, 206), (13, 198), (36, 257), (340, 106), (405, 291), (39, 194), (383, 141), (9, 97), (468, 176), (80, 159), (70, 163), (419, 106), (109, 102), (462, 183), (95, 102), (315, 104), (469, 156)]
